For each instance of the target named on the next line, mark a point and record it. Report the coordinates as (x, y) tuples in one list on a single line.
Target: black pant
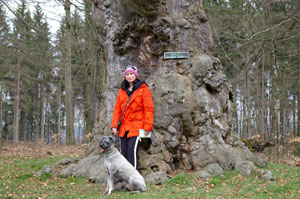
[(129, 149)]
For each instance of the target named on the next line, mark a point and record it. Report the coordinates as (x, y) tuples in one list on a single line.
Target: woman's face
[(130, 77)]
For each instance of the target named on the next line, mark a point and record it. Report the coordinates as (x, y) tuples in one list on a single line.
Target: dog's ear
[(112, 138)]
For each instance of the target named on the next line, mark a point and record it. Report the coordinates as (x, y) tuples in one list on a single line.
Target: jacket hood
[(135, 87)]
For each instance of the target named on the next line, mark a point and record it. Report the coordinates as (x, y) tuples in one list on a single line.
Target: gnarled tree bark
[(192, 98)]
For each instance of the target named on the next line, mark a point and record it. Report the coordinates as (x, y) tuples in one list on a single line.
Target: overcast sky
[(52, 9)]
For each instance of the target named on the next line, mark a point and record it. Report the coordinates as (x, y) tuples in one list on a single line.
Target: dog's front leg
[(110, 183)]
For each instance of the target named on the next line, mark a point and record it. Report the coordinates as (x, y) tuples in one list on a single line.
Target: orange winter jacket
[(138, 114)]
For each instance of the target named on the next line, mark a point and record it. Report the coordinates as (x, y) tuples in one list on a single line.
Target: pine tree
[(4, 72), (21, 43), (42, 56)]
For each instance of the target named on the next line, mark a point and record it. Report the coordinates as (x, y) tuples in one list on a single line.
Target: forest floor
[(20, 161), (40, 150), (279, 156)]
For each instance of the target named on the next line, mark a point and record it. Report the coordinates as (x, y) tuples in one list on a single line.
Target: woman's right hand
[(115, 131)]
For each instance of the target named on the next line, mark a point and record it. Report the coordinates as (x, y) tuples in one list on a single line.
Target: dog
[(117, 166)]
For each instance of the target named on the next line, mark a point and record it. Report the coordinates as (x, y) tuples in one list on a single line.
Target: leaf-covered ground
[(20, 162)]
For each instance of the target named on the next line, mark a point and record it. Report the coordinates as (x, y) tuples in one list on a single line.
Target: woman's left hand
[(147, 132)]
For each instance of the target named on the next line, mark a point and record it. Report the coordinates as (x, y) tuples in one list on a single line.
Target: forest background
[(51, 84)]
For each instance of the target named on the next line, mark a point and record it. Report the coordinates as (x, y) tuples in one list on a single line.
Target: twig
[(219, 42)]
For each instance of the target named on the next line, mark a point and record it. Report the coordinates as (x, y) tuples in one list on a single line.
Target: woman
[(134, 106)]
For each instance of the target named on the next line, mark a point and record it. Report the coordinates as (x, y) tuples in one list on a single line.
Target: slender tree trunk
[(235, 114), (89, 108), (17, 103), (241, 111), (273, 92), (298, 107), (1, 134), (247, 69), (36, 129), (257, 101), (294, 108), (42, 108), (23, 126), (59, 110), (68, 78), (298, 97), (244, 117), (89, 91), (263, 134), (249, 129), (282, 116), (46, 126)]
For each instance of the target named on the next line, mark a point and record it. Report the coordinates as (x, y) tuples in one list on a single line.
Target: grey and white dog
[(117, 166)]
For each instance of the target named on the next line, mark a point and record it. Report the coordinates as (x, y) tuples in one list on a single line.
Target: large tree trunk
[(192, 99)]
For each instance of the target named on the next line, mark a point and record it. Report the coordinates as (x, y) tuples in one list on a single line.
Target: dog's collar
[(110, 151)]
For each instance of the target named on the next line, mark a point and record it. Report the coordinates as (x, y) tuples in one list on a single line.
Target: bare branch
[(219, 42), (266, 30)]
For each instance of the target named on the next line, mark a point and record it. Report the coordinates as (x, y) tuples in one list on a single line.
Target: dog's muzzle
[(105, 143), (101, 149)]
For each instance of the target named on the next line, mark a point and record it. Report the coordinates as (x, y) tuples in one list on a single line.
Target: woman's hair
[(125, 84)]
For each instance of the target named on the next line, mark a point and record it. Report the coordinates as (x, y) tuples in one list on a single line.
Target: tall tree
[(87, 69), (42, 55), (298, 83), (4, 38), (21, 40), (68, 77), (91, 67), (1, 131)]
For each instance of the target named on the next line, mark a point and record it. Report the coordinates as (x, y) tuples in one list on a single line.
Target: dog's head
[(105, 143)]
